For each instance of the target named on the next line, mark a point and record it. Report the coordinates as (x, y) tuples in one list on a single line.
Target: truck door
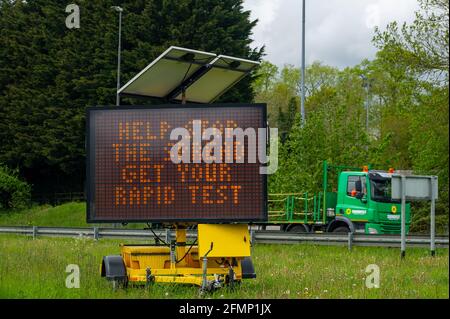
[(355, 203)]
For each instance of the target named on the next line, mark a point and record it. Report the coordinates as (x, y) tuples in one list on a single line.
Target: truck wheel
[(298, 229), (341, 229)]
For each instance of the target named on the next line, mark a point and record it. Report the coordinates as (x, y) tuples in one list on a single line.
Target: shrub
[(14, 193)]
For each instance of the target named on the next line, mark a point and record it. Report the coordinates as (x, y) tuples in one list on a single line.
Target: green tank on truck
[(360, 202)]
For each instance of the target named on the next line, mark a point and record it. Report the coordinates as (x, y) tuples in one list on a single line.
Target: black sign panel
[(132, 176)]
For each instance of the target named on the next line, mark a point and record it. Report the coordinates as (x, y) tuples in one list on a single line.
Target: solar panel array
[(207, 75)]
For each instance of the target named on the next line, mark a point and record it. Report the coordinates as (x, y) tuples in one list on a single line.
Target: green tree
[(422, 46), (265, 78), (408, 113), (417, 59), (49, 74), (14, 193), (279, 88), (286, 119), (334, 131), (318, 75)]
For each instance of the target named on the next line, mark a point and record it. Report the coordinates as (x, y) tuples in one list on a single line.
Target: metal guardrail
[(258, 236)]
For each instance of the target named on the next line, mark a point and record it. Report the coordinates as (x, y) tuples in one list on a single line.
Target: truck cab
[(353, 199), (363, 202)]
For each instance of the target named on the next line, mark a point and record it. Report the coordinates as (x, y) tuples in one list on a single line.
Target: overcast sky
[(338, 32)]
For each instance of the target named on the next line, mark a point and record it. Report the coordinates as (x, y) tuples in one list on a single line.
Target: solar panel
[(166, 72), (223, 74), (203, 76)]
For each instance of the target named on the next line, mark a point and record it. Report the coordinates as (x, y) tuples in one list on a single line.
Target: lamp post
[(118, 9)]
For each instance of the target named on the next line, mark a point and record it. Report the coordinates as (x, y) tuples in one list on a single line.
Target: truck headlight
[(372, 230)]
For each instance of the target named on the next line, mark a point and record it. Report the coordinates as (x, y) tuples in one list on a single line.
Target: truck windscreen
[(380, 189)]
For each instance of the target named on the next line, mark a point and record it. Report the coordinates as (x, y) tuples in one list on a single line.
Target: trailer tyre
[(341, 229), (298, 229), (119, 284), (248, 271), (113, 268)]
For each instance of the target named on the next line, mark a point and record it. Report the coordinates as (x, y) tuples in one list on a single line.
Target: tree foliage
[(14, 193), (423, 46), (49, 74), (406, 88)]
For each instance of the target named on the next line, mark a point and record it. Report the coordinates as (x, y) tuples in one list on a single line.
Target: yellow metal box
[(228, 240)]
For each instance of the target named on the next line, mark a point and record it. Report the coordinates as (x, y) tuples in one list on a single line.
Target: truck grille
[(391, 228)]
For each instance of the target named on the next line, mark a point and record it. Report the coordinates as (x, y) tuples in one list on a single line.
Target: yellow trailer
[(221, 257)]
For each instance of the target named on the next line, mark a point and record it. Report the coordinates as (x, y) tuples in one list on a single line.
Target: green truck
[(360, 202)]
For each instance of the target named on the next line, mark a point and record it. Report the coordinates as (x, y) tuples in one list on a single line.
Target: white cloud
[(338, 32)]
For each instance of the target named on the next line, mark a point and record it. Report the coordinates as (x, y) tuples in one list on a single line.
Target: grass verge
[(71, 214), (36, 269)]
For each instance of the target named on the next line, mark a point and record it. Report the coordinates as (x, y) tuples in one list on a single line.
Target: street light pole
[(118, 9), (302, 103)]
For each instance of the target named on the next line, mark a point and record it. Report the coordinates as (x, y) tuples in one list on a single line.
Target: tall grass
[(36, 269)]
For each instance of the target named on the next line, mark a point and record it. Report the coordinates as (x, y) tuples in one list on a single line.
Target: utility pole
[(118, 9), (302, 103)]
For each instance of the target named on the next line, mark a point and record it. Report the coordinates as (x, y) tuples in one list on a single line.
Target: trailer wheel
[(298, 229), (117, 284), (341, 229)]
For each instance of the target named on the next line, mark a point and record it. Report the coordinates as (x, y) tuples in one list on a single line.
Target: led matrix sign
[(132, 175)]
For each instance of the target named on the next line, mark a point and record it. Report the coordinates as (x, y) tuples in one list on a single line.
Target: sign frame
[(417, 188), (90, 166)]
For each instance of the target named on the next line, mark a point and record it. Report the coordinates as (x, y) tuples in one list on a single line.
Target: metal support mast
[(118, 9), (302, 106)]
